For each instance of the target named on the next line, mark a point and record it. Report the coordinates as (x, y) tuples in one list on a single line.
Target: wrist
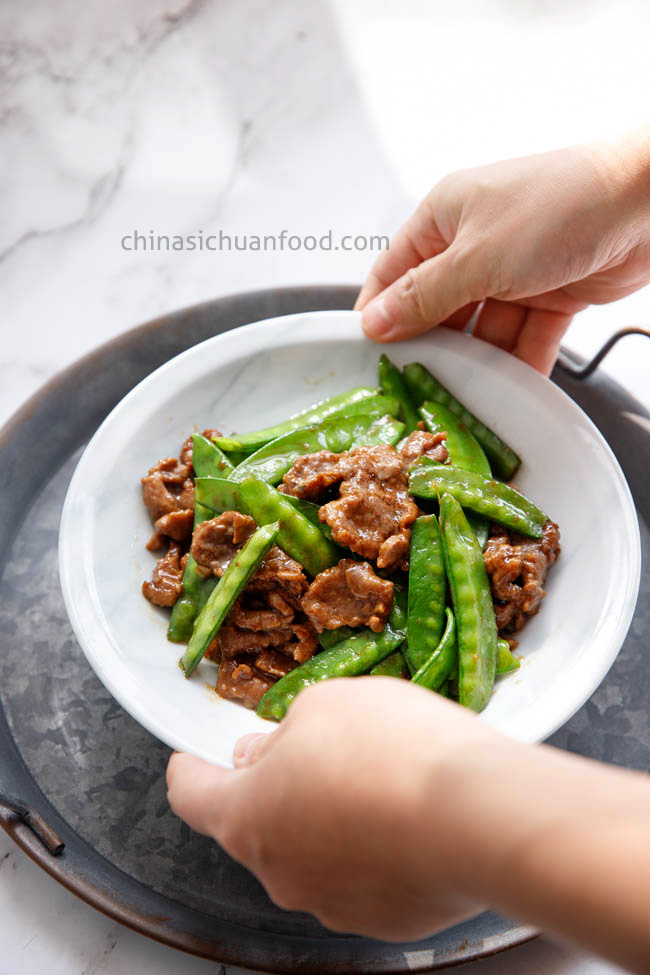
[(626, 165)]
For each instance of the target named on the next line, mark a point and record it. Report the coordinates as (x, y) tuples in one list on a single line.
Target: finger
[(460, 319), (424, 297), (539, 340), (195, 790), (250, 748), (417, 240), (500, 323)]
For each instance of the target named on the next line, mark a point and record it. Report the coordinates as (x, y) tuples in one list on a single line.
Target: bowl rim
[(570, 698)]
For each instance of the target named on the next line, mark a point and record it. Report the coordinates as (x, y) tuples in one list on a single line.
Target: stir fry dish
[(373, 533)]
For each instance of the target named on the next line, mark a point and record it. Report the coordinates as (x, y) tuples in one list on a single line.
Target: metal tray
[(82, 785)]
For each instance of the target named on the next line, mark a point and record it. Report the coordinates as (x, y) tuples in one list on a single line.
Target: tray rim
[(108, 899)]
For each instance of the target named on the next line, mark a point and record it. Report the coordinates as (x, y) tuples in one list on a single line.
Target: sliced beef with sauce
[(166, 583), (240, 680), (168, 487), (421, 443), (274, 664), (312, 476), (374, 512), (517, 567), (177, 525), (216, 542), (349, 594)]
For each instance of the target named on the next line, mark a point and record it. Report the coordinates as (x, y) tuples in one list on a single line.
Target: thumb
[(424, 297), (195, 790), (249, 749)]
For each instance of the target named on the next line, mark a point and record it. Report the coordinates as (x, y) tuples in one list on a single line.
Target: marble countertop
[(251, 117)]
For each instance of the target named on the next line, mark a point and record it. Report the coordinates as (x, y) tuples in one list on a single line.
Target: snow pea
[(329, 638), (218, 494), (493, 499), (506, 660), (464, 451), (298, 537), (394, 665), (364, 399), (427, 591), (228, 588), (385, 429), (272, 461), (392, 383), (195, 592), (350, 658), (423, 386), (207, 460), (473, 609), (435, 671)]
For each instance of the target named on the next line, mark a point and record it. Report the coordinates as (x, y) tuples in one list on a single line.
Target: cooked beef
[(274, 664), (421, 443), (235, 640), (282, 578), (374, 512), (177, 525), (217, 541), (297, 639), (168, 487), (312, 475), (239, 680), (349, 594), (166, 583), (517, 567), (259, 618), (156, 542), (188, 445)]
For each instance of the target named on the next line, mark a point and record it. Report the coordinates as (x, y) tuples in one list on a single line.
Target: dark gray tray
[(70, 755)]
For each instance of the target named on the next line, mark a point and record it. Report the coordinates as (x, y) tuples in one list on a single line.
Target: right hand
[(537, 239)]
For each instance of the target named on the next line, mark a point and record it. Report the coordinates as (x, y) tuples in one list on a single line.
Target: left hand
[(341, 811)]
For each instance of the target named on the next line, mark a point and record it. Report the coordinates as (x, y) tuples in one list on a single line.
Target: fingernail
[(375, 320), (244, 749)]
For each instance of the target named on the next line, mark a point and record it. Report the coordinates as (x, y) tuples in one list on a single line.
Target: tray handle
[(48, 837), (567, 362)]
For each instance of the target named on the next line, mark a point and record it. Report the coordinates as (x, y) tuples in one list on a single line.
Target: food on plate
[(373, 533)]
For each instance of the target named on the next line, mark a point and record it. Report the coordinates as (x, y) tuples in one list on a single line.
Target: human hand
[(386, 810), (536, 239), (333, 812)]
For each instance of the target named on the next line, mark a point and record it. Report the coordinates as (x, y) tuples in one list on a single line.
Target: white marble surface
[(250, 116)]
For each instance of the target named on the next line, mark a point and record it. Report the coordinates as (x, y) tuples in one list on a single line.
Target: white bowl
[(260, 374)]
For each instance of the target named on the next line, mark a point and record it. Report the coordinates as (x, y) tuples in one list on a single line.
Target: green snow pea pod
[(506, 660), (394, 665), (350, 658), (272, 461), (329, 638), (473, 609), (228, 588), (363, 400), (297, 536), (207, 460), (392, 383), (218, 494), (464, 451), (493, 499), (385, 429), (427, 591), (435, 671), (423, 386)]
